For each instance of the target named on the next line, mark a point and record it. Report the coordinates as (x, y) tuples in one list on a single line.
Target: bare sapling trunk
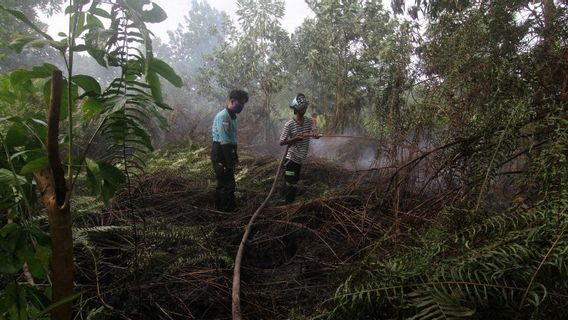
[(55, 197)]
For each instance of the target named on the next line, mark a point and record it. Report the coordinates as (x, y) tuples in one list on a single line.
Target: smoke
[(350, 153)]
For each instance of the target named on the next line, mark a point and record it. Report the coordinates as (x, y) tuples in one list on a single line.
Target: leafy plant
[(122, 110)]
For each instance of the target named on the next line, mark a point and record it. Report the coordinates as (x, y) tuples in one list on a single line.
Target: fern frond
[(494, 275), (178, 234), (504, 223), (437, 305)]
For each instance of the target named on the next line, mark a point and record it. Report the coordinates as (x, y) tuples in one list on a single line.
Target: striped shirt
[(298, 151)]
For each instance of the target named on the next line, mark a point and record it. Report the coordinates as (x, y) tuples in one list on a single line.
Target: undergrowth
[(474, 264)]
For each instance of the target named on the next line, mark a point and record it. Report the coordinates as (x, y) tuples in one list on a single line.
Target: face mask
[(238, 107)]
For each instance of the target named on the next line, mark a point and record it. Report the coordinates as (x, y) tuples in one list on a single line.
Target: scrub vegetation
[(437, 191)]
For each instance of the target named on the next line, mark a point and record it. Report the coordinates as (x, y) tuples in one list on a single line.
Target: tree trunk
[(54, 195), (564, 96), (339, 112), (549, 40), (267, 127)]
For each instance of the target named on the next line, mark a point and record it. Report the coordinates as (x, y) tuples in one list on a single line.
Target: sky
[(296, 12)]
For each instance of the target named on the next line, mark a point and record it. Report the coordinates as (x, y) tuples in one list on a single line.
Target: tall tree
[(358, 54), (253, 58), (262, 42)]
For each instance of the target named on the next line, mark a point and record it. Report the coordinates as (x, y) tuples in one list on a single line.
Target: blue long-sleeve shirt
[(224, 129), (224, 133)]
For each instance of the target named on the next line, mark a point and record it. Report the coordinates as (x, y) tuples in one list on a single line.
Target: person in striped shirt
[(296, 134)]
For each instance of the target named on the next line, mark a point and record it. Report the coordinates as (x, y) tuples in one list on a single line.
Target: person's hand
[(312, 134)]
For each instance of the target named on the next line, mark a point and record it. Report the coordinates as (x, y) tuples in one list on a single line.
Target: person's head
[(300, 104), (237, 100)]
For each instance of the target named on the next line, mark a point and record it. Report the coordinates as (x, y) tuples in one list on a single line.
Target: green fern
[(431, 304), (508, 270)]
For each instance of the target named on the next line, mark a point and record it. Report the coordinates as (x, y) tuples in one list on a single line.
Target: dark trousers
[(291, 177), (225, 191)]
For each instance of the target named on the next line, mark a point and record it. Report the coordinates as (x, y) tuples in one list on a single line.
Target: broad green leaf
[(16, 135), (98, 55), (43, 71), (39, 127), (94, 22), (21, 42), (155, 86), (8, 229), (137, 5), (9, 265), (39, 263), (154, 15), (99, 12), (87, 83), (8, 201), (104, 178), (7, 93), (35, 165), (70, 9), (40, 43), (7, 178), (94, 43), (19, 77), (13, 238), (91, 107), (42, 237), (111, 174), (24, 250), (93, 175), (107, 191), (80, 23), (167, 72)]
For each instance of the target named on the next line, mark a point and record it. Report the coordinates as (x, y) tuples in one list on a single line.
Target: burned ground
[(161, 250), (164, 251)]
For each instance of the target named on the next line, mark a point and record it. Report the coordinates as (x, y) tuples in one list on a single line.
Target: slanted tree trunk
[(55, 197)]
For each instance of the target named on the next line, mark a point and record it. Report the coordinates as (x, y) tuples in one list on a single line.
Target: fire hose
[(236, 300)]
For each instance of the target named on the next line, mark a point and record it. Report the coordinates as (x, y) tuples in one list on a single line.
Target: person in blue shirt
[(224, 155)]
